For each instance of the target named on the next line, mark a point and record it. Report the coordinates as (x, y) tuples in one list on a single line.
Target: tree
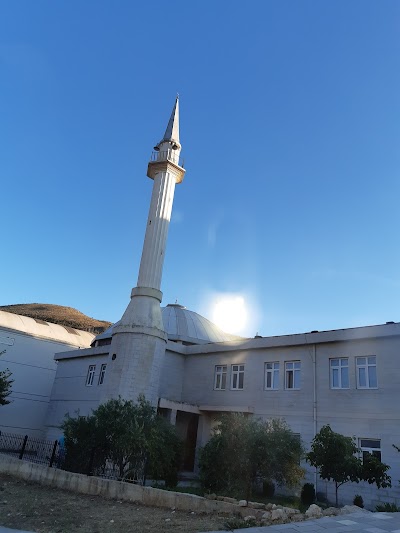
[(338, 458), (5, 385), (244, 449), (123, 436)]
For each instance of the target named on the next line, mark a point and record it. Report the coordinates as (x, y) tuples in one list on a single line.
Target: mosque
[(192, 371)]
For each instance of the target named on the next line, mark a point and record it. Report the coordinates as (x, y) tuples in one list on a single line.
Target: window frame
[(90, 375), (102, 374), (272, 372), (293, 370), (339, 368), (237, 373), (220, 374), (375, 451), (367, 365)]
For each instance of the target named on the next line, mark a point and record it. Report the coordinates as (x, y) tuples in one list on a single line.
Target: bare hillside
[(58, 314)]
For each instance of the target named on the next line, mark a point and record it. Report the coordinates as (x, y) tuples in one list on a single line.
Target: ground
[(42, 509)]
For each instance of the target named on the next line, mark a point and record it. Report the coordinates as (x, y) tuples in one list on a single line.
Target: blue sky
[(290, 127)]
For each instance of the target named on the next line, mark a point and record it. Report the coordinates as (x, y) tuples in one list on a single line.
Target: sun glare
[(230, 313)]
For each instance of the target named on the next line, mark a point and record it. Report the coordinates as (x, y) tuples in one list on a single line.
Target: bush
[(268, 488), (387, 508), (307, 495), (358, 501), (171, 479)]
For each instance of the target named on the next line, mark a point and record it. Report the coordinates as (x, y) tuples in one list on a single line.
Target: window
[(220, 377), (271, 376), (102, 374), (370, 446), (237, 378), (292, 375), (90, 375), (366, 372), (339, 373)]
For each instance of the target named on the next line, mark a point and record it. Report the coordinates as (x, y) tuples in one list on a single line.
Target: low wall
[(114, 489)]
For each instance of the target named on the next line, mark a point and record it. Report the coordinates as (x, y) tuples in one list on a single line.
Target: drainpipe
[(314, 360)]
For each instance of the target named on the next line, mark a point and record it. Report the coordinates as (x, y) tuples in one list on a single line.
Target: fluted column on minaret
[(139, 340)]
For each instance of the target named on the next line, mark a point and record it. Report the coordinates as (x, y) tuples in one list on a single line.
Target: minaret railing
[(167, 155)]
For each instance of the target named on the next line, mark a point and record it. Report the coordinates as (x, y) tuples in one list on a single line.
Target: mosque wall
[(172, 376)]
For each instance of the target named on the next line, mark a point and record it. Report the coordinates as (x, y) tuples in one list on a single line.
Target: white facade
[(27, 348)]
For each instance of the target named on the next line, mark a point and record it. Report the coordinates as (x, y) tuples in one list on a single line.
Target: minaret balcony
[(167, 155)]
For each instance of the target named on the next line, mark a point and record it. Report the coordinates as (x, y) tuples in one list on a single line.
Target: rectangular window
[(220, 377), (102, 374), (370, 446), (271, 376), (339, 373), (292, 375), (366, 372), (90, 375), (237, 377)]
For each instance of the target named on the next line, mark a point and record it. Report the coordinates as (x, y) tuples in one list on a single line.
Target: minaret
[(139, 341)]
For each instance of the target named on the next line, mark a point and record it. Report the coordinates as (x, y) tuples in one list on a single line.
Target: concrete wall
[(31, 361), (172, 376), (114, 489), (70, 393)]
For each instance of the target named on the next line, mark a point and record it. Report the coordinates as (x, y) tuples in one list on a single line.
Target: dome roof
[(185, 326)]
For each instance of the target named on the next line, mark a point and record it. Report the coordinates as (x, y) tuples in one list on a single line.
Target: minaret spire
[(172, 132), (139, 340)]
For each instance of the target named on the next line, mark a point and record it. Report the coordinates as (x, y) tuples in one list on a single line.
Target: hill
[(58, 314)]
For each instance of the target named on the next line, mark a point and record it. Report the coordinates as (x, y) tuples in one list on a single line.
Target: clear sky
[(290, 127)]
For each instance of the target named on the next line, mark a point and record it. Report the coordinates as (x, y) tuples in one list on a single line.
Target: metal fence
[(92, 461), (33, 449)]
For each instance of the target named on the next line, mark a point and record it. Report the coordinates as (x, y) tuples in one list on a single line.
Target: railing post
[(53, 453), (21, 453), (91, 460)]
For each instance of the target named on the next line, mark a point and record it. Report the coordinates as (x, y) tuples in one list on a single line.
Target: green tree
[(338, 458), (244, 449), (125, 436), (5, 385)]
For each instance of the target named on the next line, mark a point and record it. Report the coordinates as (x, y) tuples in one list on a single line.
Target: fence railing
[(167, 155), (33, 449), (92, 461)]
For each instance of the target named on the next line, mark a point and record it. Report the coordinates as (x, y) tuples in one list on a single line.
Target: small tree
[(337, 458), (244, 449), (5, 385), (129, 436)]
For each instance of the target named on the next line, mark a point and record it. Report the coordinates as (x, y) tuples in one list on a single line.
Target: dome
[(183, 325)]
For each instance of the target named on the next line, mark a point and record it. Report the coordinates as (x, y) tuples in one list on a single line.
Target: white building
[(193, 372), (27, 348)]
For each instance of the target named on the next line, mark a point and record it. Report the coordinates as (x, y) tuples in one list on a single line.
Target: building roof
[(188, 327), (45, 330)]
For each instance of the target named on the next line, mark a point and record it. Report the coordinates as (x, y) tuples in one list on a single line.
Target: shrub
[(358, 501), (387, 508), (171, 479), (307, 495), (268, 488)]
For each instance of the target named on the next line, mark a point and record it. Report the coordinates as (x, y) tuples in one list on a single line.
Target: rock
[(220, 498), (229, 500), (256, 505), (274, 506), (352, 509), (314, 511), (289, 510), (266, 516), (270, 506), (243, 503), (331, 511), (249, 518), (278, 514), (211, 496)]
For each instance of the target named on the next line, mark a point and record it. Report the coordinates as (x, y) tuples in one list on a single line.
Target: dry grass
[(33, 507), (58, 314)]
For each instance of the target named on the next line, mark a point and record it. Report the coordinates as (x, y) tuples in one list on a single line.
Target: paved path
[(357, 522)]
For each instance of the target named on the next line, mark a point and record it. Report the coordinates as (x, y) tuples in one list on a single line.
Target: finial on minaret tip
[(171, 134)]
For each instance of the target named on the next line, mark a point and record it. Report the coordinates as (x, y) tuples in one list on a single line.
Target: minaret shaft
[(154, 246)]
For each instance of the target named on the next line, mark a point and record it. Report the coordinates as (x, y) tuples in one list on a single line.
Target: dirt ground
[(42, 509)]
